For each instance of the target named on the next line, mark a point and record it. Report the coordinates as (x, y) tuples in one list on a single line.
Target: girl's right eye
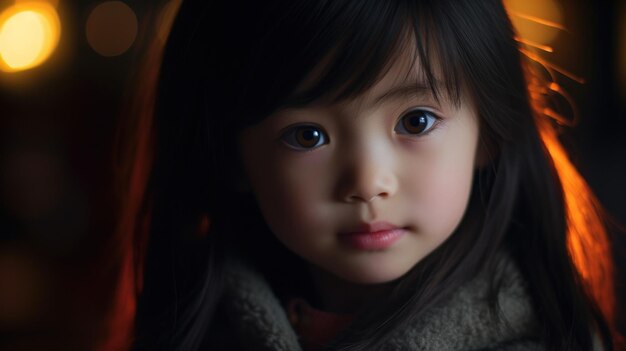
[(304, 137)]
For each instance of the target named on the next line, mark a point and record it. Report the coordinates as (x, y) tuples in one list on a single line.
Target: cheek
[(291, 191), (447, 201), (441, 183)]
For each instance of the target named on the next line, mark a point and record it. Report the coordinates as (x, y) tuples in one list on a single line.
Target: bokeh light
[(111, 28), (29, 33), (536, 21), (54, 3)]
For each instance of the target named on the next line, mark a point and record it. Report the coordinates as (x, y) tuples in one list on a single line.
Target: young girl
[(355, 175)]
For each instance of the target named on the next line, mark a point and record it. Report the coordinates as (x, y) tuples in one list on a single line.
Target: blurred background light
[(111, 28), (29, 33), (537, 21), (54, 3)]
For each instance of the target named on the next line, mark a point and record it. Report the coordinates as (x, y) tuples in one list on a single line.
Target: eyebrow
[(411, 89)]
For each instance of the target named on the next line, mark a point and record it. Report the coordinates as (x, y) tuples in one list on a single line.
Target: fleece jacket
[(254, 319)]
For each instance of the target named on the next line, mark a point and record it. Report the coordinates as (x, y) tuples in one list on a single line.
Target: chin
[(373, 274)]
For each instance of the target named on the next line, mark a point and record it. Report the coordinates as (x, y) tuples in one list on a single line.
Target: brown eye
[(416, 122), (308, 137), (304, 138)]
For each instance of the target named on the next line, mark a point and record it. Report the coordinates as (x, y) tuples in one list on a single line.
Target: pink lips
[(372, 236)]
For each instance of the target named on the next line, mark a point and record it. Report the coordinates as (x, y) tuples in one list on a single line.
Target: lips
[(372, 236)]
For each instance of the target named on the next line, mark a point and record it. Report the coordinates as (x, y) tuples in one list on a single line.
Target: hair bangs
[(360, 48)]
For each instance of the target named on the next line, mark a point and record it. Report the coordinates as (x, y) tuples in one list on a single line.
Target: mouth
[(372, 236)]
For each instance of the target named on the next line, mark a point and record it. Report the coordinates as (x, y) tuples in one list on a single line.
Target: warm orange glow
[(536, 21), (545, 48), (131, 236), (132, 229), (587, 238), (54, 3), (29, 33), (551, 67), (111, 28)]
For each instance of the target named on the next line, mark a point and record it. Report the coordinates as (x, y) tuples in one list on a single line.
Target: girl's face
[(368, 187)]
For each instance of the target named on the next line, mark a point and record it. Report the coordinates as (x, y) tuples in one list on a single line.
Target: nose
[(367, 176)]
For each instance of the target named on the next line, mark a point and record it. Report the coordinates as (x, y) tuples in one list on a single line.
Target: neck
[(340, 296)]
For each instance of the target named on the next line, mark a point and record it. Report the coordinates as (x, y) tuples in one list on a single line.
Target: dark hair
[(227, 65)]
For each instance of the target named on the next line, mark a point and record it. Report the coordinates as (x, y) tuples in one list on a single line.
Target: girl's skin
[(323, 170)]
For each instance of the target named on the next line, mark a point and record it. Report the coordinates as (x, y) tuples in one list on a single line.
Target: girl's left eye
[(416, 122), (304, 137)]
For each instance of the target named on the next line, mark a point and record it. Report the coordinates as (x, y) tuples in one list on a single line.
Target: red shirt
[(315, 328)]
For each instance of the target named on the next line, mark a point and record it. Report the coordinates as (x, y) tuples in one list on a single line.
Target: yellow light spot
[(536, 21), (29, 33), (111, 28)]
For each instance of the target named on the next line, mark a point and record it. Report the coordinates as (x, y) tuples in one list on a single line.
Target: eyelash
[(295, 136)]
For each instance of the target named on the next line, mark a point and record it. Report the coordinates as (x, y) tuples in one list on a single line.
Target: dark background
[(57, 168)]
